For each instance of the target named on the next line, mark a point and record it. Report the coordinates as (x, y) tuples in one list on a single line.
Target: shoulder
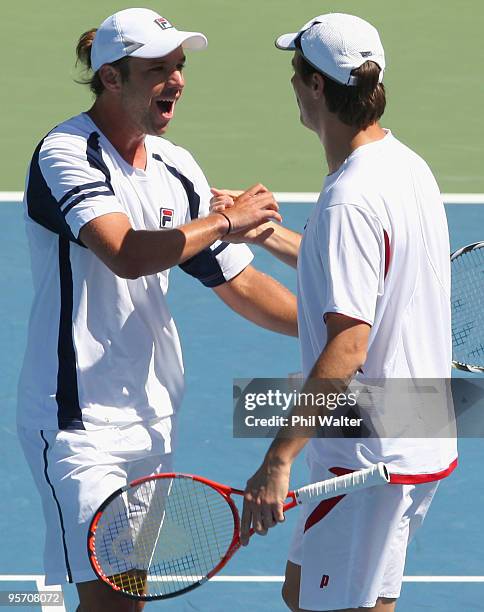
[(71, 138), (177, 160), (169, 151), (396, 157), (360, 218)]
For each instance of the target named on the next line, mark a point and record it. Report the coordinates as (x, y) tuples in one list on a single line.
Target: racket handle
[(340, 485)]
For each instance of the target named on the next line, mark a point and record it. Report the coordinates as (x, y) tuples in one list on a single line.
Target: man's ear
[(317, 85), (110, 77)]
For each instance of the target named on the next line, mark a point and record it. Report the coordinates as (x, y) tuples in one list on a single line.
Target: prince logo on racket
[(373, 303)]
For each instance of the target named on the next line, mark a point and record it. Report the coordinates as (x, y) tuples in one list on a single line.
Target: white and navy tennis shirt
[(103, 350)]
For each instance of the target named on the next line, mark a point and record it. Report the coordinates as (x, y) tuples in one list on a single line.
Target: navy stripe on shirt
[(85, 196), (203, 266), (42, 207), (69, 414), (80, 188)]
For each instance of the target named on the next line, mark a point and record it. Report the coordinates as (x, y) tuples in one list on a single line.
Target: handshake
[(249, 213)]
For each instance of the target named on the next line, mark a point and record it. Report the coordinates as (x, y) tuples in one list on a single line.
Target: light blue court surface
[(219, 346)]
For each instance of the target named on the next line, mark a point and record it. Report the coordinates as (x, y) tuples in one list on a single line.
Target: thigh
[(94, 596), (290, 593), (290, 588), (158, 457), (73, 477), (347, 545), (74, 472)]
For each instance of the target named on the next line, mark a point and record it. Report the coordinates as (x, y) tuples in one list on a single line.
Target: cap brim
[(286, 41), (193, 41)]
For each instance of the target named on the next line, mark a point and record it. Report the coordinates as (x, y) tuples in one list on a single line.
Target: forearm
[(131, 253), (153, 251), (332, 373), (262, 300), (266, 490), (281, 242)]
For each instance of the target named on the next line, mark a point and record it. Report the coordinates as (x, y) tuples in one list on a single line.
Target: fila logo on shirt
[(163, 23), (324, 581), (166, 218)]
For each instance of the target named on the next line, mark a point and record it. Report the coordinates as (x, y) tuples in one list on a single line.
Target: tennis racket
[(467, 267), (164, 535)]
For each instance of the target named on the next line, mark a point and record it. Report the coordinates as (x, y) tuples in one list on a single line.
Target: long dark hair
[(83, 53)]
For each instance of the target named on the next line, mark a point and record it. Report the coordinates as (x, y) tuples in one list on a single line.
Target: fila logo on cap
[(166, 217), (163, 23)]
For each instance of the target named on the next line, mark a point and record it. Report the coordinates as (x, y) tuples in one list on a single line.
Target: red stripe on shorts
[(325, 507), (422, 478)]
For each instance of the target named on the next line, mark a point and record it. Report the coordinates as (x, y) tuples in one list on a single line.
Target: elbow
[(128, 274), (352, 359), (126, 267), (360, 359), (356, 355), (131, 260)]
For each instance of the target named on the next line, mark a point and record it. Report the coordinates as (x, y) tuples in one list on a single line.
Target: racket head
[(467, 268), (163, 535)]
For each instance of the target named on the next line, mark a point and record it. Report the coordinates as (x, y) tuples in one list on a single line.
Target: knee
[(290, 595)]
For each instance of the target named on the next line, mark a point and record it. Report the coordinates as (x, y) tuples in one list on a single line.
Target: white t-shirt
[(376, 248), (102, 349)]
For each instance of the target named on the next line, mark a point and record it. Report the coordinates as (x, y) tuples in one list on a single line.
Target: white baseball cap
[(335, 44), (139, 32)]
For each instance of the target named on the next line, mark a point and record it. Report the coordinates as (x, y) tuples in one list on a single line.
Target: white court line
[(11, 196), (39, 580), (309, 197), (42, 587), (463, 579)]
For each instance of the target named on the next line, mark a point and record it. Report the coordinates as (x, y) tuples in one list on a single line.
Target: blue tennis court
[(445, 568)]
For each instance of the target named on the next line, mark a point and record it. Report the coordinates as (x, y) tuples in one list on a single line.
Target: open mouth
[(166, 107)]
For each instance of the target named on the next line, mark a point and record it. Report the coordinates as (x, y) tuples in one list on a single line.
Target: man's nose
[(176, 78)]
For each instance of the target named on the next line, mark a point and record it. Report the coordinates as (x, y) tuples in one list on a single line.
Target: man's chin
[(158, 130)]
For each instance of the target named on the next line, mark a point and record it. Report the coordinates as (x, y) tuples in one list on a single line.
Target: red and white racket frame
[(377, 474), (224, 490)]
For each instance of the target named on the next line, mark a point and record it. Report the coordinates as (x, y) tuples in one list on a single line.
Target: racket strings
[(467, 311), (163, 536)]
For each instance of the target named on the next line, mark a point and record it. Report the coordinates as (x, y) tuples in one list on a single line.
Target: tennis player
[(109, 208), (373, 298)]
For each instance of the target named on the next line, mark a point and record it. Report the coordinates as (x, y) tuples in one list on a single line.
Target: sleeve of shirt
[(353, 255), (221, 261), (69, 184)]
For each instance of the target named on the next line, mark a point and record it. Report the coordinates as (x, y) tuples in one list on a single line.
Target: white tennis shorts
[(75, 471), (352, 549)]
